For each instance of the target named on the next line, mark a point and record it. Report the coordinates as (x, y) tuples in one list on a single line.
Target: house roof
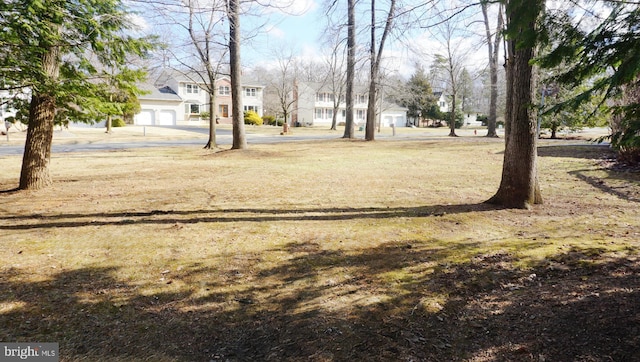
[(163, 93), (326, 87), (198, 77)]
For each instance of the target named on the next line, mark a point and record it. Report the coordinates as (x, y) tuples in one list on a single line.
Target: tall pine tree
[(63, 52)]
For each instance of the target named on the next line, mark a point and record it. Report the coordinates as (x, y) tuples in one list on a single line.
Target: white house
[(176, 98), (315, 106), (443, 103)]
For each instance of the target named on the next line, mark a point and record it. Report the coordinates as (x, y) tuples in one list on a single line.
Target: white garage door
[(388, 121), (144, 118), (167, 118)]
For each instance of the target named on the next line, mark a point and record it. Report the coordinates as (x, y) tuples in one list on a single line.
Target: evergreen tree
[(62, 51), (418, 96), (610, 46)]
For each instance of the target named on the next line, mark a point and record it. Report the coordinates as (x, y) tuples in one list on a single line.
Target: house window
[(324, 97), (223, 110), (360, 114), (192, 108), (360, 98), (323, 113), (224, 90), (251, 108), (250, 92), (192, 89)]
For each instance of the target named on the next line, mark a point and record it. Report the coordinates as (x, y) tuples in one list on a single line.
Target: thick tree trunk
[(37, 150), (349, 129), (42, 110), (239, 137), (519, 185)]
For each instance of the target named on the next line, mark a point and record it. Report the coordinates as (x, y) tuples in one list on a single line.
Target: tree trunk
[(370, 128), (108, 124), (239, 137), (37, 150), (519, 185), (369, 133), (42, 110), (349, 129), (211, 143), (452, 116), (334, 118), (494, 49), (376, 59)]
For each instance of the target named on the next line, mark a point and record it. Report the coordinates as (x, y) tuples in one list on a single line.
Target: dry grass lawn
[(322, 251)]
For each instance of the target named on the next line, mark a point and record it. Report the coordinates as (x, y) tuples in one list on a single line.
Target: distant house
[(175, 98), (315, 106), (443, 103)]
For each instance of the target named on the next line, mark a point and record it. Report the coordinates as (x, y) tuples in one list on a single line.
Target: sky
[(303, 32), (298, 25)]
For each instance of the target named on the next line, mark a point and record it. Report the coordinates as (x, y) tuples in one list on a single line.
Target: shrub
[(118, 122), (204, 115), (251, 117), (269, 120)]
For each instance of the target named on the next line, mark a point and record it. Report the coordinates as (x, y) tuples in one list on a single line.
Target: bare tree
[(493, 47), (233, 14), (375, 60), (284, 84), (335, 64), (203, 32), (451, 63), (202, 55), (349, 129)]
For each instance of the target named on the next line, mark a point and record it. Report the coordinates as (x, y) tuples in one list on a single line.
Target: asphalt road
[(223, 138)]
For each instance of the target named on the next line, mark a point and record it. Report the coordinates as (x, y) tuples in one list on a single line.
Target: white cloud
[(275, 32), (139, 22)]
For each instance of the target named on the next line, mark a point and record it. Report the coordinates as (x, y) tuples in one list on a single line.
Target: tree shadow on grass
[(404, 300), (624, 186), (37, 221), (593, 151)]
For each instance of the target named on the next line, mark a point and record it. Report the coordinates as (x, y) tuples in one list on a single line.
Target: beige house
[(176, 98)]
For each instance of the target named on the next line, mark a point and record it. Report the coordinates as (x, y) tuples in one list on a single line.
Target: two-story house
[(175, 98), (315, 106)]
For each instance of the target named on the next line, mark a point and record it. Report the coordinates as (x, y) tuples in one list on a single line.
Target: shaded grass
[(332, 250)]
